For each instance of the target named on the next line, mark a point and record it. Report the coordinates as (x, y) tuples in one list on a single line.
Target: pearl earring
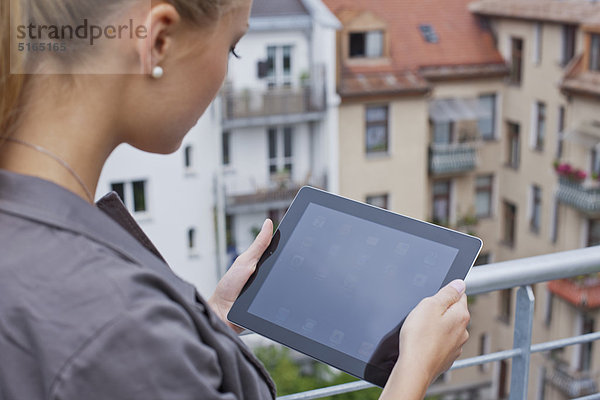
[(157, 72)]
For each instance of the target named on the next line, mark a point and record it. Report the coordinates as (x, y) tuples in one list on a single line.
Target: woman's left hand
[(230, 286)]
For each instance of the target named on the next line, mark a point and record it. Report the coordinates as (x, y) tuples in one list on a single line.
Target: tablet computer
[(340, 277)]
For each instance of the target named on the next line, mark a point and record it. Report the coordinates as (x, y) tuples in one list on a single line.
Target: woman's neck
[(65, 140)]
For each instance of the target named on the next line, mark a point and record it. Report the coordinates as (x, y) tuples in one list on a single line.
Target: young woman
[(88, 308)]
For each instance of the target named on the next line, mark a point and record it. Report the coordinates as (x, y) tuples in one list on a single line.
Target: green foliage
[(293, 377)]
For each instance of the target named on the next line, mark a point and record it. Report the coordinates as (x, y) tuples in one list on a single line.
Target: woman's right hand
[(430, 340)]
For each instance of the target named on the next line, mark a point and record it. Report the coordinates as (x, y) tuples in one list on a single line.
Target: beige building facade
[(496, 146)]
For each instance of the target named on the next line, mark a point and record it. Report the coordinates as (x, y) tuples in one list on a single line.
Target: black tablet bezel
[(468, 249)]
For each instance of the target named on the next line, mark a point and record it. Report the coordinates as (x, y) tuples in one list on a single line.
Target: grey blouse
[(90, 310)]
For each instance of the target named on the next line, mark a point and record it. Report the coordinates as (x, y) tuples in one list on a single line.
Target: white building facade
[(254, 147)]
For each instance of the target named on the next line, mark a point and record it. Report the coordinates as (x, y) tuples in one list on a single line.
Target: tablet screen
[(349, 270)]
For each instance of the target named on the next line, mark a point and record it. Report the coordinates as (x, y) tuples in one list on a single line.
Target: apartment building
[(279, 107), (476, 116)]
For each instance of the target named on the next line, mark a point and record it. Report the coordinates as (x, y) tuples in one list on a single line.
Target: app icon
[(297, 261), (362, 260), (366, 349), (401, 248), (391, 269), (283, 314), (322, 271), (346, 229), (431, 259), (336, 337), (420, 280), (350, 281), (334, 250), (308, 242), (309, 325), (372, 241), (319, 222)]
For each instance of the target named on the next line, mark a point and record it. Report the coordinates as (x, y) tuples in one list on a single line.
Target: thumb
[(260, 244), (451, 293)]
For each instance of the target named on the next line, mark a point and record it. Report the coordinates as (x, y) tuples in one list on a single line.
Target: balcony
[(274, 106), (584, 197), (572, 383), (447, 159), (583, 292), (522, 274), (262, 200)]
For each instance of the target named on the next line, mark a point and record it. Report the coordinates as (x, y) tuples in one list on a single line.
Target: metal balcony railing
[(579, 196), (452, 158), (277, 105), (519, 273)]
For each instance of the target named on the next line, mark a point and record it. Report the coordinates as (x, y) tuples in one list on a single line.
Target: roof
[(271, 8), (560, 11), (461, 39), (578, 80)]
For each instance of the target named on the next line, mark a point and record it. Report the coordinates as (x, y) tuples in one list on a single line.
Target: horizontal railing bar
[(560, 343), (527, 271), (590, 397), (328, 391), (467, 362), (486, 358)]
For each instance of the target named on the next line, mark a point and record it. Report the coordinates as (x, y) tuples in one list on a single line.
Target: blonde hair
[(13, 80)]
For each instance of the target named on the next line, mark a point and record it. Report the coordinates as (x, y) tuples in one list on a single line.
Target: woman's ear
[(154, 46)]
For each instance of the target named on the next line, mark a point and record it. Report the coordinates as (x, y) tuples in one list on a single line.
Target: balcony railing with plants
[(577, 189), (452, 158)]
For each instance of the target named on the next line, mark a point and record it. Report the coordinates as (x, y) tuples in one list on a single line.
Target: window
[(505, 305), (594, 55), (510, 224), (540, 126), (380, 201), (548, 308), (554, 228), (537, 43), (366, 44), (139, 196), (441, 202), (561, 129), (516, 61), (120, 189), (428, 33), (514, 145), (187, 157), (483, 259), (377, 129), (593, 232), (225, 148), (280, 150), (484, 348), (483, 196), (132, 194), (585, 359), (443, 132), (279, 66), (192, 242), (569, 35), (536, 209), (595, 162), (487, 125)]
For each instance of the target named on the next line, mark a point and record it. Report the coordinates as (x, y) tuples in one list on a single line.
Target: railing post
[(519, 376)]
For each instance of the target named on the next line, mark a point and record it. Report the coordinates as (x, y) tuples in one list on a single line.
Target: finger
[(450, 294), (459, 310), (258, 247)]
